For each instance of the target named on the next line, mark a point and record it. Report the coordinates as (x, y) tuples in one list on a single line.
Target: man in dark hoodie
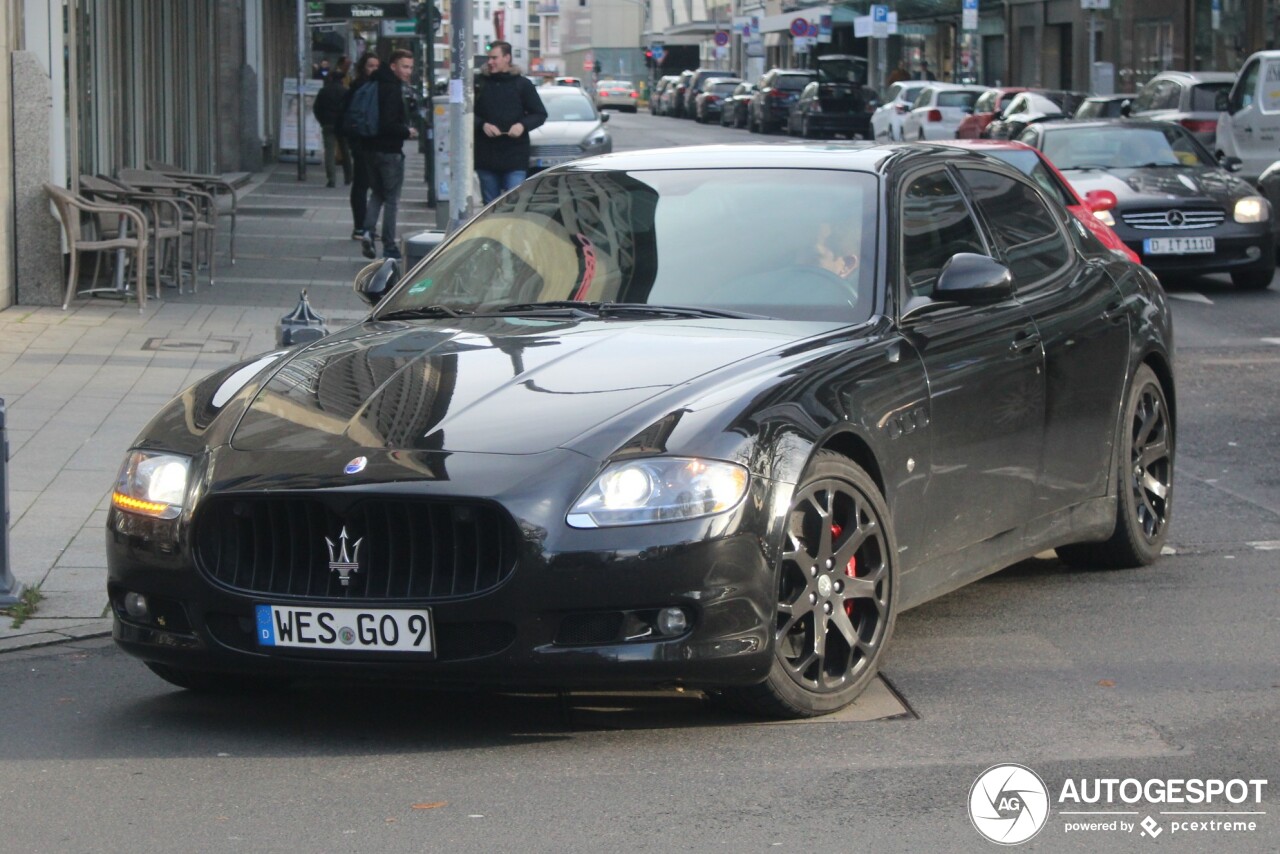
[(507, 108), (384, 152)]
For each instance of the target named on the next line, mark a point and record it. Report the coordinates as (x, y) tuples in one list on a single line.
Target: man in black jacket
[(384, 153), (507, 108), (328, 110)]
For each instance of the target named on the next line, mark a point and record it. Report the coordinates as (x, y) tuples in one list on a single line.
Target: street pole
[(302, 61), (10, 589), (461, 109), (1093, 49)]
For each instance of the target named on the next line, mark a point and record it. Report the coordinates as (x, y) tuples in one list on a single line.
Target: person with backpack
[(365, 67), (384, 149), (507, 108), (328, 109)]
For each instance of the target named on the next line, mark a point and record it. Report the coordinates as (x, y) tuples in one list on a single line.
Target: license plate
[(545, 162), (1177, 245), (350, 629)]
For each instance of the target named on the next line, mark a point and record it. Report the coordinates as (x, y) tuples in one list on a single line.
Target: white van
[(1249, 127)]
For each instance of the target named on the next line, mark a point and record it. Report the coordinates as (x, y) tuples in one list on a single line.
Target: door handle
[(1025, 341), (1115, 311)]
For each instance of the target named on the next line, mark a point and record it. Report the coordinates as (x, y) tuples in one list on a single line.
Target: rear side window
[(963, 100), (936, 224), (1026, 231), (1204, 97)]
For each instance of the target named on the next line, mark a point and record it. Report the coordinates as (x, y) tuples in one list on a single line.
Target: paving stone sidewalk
[(79, 385)]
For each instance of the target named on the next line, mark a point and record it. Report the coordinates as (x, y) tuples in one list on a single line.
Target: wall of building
[(9, 42)]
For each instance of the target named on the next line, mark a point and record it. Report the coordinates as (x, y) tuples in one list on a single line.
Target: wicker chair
[(85, 224), (164, 218), (199, 221), (222, 190)]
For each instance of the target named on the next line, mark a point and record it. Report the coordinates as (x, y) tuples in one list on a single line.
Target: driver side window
[(936, 224), (1242, 94)]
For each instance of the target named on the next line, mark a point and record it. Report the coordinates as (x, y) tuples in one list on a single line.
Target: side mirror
[(1231, 164), (973, 279), (1100, 200), (1222, 102), (604, 117), (375, 280)]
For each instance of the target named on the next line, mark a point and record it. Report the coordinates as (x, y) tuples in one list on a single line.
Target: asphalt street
[(1166, 672)]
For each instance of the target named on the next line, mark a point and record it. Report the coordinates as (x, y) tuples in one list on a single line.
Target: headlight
[(659, 489), (596, 140), (1252, 209), (152, 484), (1105, 218)]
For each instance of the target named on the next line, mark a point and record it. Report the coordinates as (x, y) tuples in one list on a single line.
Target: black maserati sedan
[(1182, 212), (570, 448)]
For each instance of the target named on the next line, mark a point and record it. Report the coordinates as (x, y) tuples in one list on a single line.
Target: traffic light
[(648, 59), (598, 66)]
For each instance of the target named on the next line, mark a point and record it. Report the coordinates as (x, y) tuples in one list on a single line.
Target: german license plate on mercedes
[(1177, 245), (348, 629)]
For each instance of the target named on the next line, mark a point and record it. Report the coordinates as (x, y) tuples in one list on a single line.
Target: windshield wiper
[(1085, 167), (425, 311), (556, 308), (617, 308), (1163, 164)]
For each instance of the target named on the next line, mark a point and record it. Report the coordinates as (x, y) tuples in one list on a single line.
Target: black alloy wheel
[(1145, 487), (836, 595)]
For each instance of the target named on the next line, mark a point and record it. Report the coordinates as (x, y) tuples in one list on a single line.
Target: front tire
[(837, 595), (1145, 463)]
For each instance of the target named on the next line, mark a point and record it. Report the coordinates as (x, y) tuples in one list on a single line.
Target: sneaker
[(357, 234), (366, 246)]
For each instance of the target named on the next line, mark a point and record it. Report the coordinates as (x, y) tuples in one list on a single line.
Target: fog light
[(1253, 253), (135, 605), (672, 621)]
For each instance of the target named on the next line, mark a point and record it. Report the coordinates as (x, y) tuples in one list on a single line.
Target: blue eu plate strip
[(266, 630)]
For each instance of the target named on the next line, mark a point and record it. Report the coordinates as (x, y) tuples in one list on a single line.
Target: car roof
[(1196, 76), (852, 157), (1121, 124)]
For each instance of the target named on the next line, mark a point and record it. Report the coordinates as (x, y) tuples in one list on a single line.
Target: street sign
[(589, 62), (879, 22), (722, 38), (400, 29), (1095, 4), (1217, 14), (800, 27), (969, 15), (658, 52)]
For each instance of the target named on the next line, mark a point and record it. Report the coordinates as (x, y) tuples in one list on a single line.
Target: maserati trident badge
[(355, 466), (342, 563)]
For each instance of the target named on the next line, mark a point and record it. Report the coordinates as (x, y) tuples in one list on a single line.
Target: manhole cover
[(191, 345)]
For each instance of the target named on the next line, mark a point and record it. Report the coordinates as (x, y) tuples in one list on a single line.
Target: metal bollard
[(300, 325), (10, 589)]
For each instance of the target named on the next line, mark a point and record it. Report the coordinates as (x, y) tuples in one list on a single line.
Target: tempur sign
[(1009, 804)]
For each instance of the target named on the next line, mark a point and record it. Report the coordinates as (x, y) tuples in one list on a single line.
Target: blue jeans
[(494, 184), (386, 177)]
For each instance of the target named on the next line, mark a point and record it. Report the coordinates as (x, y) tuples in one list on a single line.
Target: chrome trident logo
[(342, 563)]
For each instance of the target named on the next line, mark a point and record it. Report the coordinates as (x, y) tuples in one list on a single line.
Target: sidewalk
[(79, 385)]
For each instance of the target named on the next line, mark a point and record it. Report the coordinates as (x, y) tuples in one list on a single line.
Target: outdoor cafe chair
[(216, 185), (164, 217), (200, 218), (91, 226)]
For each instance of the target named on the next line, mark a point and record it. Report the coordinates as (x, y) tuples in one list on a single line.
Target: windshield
[(1030, 164), (1122, 147), (690, 238), (570, 108), (963, 100), (792, 82)]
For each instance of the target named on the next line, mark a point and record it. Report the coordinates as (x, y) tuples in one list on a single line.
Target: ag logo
[(1008, 804)]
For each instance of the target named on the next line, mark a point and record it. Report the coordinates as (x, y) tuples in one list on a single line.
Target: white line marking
[(1275, 341), (1192, 297)]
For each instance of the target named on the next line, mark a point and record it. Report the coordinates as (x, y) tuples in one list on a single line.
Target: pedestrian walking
[(925, 73), (365, 68), (385, 153), (507, 107), (898, 74), (328, 110)]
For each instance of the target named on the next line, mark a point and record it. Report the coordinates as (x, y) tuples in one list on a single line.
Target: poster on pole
[(440, 138), (289, 121)]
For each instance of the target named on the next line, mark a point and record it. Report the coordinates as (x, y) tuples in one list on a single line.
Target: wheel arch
[(849, 444), (1159, 364)]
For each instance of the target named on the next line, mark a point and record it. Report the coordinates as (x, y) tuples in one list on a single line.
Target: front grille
[(1159, 220), (407, 549), (556, 150)]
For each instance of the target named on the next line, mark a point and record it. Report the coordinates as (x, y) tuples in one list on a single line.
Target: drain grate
[(193, 345)]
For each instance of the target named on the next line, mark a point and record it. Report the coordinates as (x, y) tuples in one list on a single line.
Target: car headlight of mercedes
[(152, 484), (1252, 209), (659, 489)]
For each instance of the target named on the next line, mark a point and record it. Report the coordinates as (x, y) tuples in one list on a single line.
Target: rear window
[(569, 108), (964, 100), (792, 82), (723, 88), (1204, 97)]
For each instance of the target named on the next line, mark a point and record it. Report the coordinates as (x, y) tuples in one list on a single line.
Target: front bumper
[(1237, 248), (558, 620)]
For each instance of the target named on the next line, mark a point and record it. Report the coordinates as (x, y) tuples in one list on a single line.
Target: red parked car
[(1032, 162), (984, 110)]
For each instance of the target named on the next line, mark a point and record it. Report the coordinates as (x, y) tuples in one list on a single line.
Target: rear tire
[(837, 595), (1144, 460), (1253, 280)]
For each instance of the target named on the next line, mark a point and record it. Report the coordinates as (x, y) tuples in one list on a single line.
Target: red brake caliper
[(851, 569)]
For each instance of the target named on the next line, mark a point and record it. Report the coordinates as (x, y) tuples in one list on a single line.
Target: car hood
[(563, 133), (501, 385), (1162, 185)]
